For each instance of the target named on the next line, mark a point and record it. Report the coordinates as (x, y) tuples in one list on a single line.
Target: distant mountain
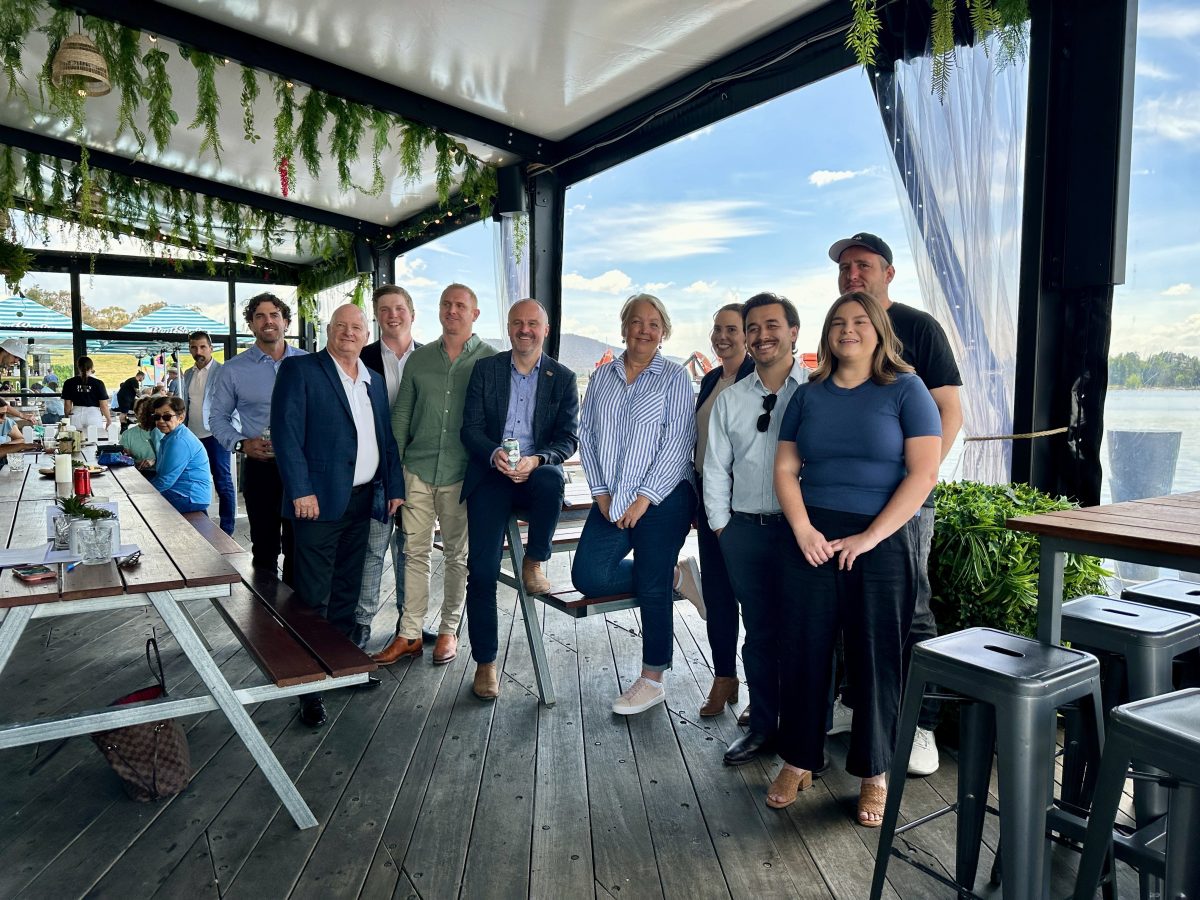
[(580, 354)]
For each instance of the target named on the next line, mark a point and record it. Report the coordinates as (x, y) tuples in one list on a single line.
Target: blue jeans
[(222, 474), (381, 536), (183, 503), (601, 568)]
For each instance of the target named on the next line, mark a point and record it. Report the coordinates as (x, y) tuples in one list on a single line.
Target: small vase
[(62, 531), (94, 540)]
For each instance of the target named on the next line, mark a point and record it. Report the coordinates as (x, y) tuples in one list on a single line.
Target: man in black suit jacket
[(385, 357), (526, 395)]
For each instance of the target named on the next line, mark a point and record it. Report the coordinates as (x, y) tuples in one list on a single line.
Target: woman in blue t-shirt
[(859, 448)]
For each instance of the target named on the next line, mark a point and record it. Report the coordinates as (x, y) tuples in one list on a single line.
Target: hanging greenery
[(249, 95), (158, 98), (313, 113), (17, 19), (208, 101), (285, 133), (14, 263), (120, 47), (1003, 20), (349, 122)]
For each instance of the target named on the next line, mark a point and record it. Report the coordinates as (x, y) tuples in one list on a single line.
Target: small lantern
[(77, 57)]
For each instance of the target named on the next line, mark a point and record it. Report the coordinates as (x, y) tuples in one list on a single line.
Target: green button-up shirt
[(427, 415)]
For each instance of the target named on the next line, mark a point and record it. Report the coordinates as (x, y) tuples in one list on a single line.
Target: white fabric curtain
[(959, 176), (512, 274)]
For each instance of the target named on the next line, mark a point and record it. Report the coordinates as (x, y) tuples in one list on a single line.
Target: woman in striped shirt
[(636, 434)]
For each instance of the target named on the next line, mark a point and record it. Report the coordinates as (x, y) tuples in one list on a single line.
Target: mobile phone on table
[(34, 574)]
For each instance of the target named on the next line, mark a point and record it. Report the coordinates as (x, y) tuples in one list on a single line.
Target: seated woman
[(858, 453), (637, 430), (183, 476), (141, 440)]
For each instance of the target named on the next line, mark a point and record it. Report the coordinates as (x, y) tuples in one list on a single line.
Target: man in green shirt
[(427, 417)]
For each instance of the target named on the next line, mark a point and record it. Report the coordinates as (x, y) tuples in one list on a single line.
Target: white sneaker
[(843, 717), (642, 695), (689, 585), (924, 757)]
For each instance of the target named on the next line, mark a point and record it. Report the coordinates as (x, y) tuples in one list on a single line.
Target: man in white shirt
[(195, 383), (394, 312)]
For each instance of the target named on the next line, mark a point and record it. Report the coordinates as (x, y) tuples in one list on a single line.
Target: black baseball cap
[(872, 242)]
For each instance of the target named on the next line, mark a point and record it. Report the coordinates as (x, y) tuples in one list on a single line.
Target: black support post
[(546, 217), (78, 341), (1073, 236)]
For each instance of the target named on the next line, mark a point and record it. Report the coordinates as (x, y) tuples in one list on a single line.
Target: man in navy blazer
[(527, 396), (333, 442)]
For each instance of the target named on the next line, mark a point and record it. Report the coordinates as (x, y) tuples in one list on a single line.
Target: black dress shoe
[(361, 635), (748, 748), (312, 711), (429, 637), (824, 770)]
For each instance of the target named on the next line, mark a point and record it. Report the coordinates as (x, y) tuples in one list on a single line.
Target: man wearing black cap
[(865, 264)]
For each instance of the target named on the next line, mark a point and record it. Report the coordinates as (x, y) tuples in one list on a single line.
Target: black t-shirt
[(84, 393), (926, 347)]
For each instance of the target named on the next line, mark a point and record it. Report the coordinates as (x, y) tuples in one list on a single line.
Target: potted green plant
[(15, 261), (72, 510), (94, 531), (983, 573)]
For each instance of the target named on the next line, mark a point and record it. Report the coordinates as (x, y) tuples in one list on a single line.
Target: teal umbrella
[(20, 317), (173, 323)]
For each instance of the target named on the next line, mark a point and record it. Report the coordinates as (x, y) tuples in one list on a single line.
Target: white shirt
[(393, 368), (366, 463), (195, 398)]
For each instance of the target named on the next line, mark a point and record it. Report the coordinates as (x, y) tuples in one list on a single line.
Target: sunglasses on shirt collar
[(764, 421)]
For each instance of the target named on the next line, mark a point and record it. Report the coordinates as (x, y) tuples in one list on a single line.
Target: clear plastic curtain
[(511, 256), (959, 176)]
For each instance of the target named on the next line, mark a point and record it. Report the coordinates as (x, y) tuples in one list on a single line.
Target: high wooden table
[(177, 564), (1159, 531)]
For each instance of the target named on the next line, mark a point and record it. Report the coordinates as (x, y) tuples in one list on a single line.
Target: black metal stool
[(1171, 593), (1017, 685), (1165, 732)]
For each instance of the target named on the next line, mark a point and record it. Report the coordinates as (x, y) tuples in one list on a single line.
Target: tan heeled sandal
[(871, 800), (787, 784), (723, 692)]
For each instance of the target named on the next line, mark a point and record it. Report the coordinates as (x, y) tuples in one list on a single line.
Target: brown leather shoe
[(400, 648), (487, 684), (724, 691), (445, 649), (744, 718), (531, 574)]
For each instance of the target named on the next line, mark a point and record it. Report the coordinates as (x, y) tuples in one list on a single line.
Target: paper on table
[(23, 556), (53, 556)]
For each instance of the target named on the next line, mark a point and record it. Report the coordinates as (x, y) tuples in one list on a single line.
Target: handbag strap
[(156, 665)]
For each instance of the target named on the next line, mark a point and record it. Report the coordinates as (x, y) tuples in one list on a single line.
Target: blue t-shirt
[(852, 440)]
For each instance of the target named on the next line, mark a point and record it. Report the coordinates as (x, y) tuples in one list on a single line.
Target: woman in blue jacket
[(182, 466)]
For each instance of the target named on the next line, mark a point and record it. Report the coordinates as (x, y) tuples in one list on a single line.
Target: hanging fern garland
[(162, 118), (313, 113), (17, 19), (285, 132), (208, 101), (249, 95)]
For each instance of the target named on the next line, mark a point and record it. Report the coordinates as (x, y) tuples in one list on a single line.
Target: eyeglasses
[(764, 421), (162, 417), (131, 560)]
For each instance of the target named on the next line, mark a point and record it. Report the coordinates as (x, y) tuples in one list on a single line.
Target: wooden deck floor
[(423, 791)]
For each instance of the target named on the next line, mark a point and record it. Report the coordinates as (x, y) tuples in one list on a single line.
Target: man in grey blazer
[(195, 383), (527, 396)]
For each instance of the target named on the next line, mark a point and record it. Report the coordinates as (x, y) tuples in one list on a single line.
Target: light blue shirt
[(739, 464), (238, 396), (182, 466), (522, 395), (54, 405), (637, 439)]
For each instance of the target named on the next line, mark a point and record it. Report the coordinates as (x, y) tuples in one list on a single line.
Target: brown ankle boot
[(400, 648), (531, 575), (486, 685), (724, 691)]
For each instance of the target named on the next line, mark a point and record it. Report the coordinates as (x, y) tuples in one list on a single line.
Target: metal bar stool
[(1170, 593), (1165, 732), (1015, 685)]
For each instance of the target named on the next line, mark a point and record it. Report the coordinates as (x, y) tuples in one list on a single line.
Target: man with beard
[(195, 387)]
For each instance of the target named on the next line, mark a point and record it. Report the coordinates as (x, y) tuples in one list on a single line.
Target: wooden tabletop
[(1157, 524), (174, 554)]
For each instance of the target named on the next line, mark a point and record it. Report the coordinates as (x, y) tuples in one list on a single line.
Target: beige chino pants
[(425, 505)]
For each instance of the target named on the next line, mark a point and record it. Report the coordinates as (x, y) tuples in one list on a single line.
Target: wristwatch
[(237, 448)]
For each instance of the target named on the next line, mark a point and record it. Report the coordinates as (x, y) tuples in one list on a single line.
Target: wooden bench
[(291, 643)]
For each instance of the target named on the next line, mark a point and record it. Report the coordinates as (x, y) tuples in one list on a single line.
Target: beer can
[(83, 482), (512, 447)]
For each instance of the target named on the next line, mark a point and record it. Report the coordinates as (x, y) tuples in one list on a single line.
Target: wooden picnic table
[(1157, 531), (177, 564)]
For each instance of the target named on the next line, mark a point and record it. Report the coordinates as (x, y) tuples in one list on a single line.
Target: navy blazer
[(555, 414), (372, 355), (709, 382), (316, 444)]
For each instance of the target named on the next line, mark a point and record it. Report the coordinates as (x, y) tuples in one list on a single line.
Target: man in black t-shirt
[(865, 264), (128, 391)]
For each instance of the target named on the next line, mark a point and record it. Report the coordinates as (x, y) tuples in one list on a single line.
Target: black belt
[(761, 518), (359, 488)]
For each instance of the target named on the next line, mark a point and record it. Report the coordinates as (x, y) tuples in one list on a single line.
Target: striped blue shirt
[(637, 438)]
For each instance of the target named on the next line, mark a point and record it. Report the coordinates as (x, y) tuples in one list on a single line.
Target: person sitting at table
[(141, 440), (85, 398), (183, 476), (637, 431), (868, 436), (54, 405)]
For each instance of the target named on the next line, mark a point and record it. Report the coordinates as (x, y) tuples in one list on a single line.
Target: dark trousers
[(270, 532), (601, 569), (719, 600), (329, 560), (924, 626), (494, 499), (752, 547), (873, 605), (222, 475)]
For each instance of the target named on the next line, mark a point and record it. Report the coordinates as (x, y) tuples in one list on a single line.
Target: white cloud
[(614, 281), (653, 287), (406, 273), (696, 135), (1174, 118), (650, 232), (1147, 69), (1179, 336), (436, 247), (700, 287), (823, 177), (1169, 22), (1178, 290)]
